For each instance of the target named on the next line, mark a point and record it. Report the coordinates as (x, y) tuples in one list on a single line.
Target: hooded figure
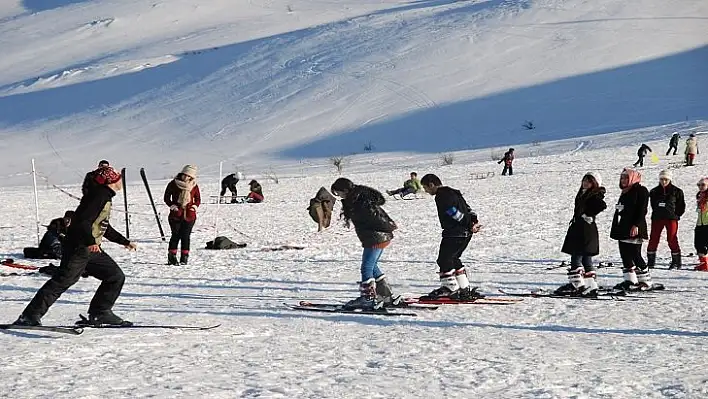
[(321, 208), (183, 197)]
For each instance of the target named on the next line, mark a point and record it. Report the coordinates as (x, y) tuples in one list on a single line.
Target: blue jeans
[(369, 264), (582, 260)]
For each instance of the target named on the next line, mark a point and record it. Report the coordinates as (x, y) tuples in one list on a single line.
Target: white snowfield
[(274, 89)]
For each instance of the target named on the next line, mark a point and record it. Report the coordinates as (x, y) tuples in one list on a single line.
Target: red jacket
[(171, 197)]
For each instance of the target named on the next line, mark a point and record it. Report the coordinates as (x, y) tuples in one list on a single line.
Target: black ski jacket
[(229, 181), (372, 224), (631, 210), (674, 140), (642, 151), (582, 237), (91, 220), (667, 203), (456, 217)]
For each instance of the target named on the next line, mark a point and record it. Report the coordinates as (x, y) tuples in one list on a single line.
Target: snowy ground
[(537, 349)]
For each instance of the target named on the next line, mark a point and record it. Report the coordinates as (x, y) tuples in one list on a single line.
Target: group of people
[(229, 183), (690, 151)]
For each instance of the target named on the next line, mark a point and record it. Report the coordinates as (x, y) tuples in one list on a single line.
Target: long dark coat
[(631, 210), (582, 237)]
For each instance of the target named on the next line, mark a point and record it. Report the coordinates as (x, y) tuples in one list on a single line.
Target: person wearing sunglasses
[(668, 205), (700, 237)]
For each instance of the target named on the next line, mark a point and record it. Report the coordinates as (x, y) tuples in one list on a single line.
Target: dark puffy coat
[(456, 216), (631, 210), (89, 182), (643, 150), (90, 223), (667, 203), (362, 207), (582, 237)]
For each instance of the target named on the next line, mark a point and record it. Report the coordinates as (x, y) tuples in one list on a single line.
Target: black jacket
[(372, 224), (89, 182), (229, 181), (674, 140), (91, 220), (582, 237), (456, 217), (631, 210), (642, 151), (667, 203)]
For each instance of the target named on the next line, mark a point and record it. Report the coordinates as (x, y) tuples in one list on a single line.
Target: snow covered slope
[(274, 83)]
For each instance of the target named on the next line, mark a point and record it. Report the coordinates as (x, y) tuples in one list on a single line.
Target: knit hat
[(106, 175), (103, 163), (596, 176), (190, 170), (666, 174), (239, 175)]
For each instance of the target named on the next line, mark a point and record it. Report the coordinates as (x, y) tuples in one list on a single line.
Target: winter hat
[(666, 174), (106, 175), (596, 176), (103, 163), (190, 170), (239, 175)]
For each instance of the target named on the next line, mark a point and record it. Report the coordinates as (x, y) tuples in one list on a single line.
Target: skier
[(508, 159), (668, 205), (361, 206), (229, 182), (691, 149), (256, 194), (410, 186), (582, 241), (183, 197), (50, 247), (458, 223), (629, 228), (700, 237), (83, 255), (89, 179), (641, 153), (673, 143), (321, 208)]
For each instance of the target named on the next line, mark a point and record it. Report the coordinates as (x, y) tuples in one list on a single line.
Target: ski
[(479, 301), (125, 204), (406, 305), (75, 330), (11, 263), (546, 294), (145, 326), (340, 309), (152, 202)]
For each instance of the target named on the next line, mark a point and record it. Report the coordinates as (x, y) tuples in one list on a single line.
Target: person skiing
[(641, 153), (229, 182), (84, 255), (410, 186), (183, 197), (700, 234), (582, 241), (321, 208), (691, 149), (629, 228), (668, 205), (362, 207), (90, 178), (256, 194), (673, 143), (508, 159), (458, 223)]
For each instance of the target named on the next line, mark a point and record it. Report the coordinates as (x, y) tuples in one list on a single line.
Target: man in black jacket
[(229, 182), (90, 178), (673, 143), (641, 153), (83, 255), (458, 223), (668, 205), (508, 160)]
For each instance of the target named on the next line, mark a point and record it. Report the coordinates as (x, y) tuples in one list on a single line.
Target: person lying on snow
[(50, 247), (410, 186)]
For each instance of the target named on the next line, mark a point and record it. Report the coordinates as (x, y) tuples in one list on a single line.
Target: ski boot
[(25, 320), (630, 283), (385, 296), (366, 299), (448, 285), (184, 258), (644, 279), (703, 263), (466, 294), (651, 259), (106, 317), (172, 258), (575, 285), (675, 262), (591, 289)]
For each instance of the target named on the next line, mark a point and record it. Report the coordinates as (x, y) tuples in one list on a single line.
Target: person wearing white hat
[(668, 205), (183, 197), (582, 241)]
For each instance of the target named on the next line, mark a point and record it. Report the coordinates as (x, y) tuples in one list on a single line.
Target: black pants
[(508, 168), (74, 263), (232, 188), (181, 231), (631, 255), (402, 191), (672, 146), (640, 161), (700, 240), (451, 248)]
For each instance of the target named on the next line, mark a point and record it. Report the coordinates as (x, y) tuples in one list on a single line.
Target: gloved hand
[(193, 208), (586, 218), (174, 208)]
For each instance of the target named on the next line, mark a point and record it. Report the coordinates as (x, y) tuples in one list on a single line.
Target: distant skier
[(229, 182), (673, 143), (641, 153), (458, 223), (629, 228), (321, 207), (508, 160), (410, 186), (256, 194), (691, 149), (362, 207), (90, 178), (700, 237), (83, 255), (183, 197), (582, 241), (668, 205)]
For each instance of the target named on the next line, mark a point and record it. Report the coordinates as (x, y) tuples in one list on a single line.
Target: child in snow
[(673, 143), (361, 206), (629, 228), (641, 153), (83, 254), (508, 159), (668, 205), (582, 241), (321, 208), (183, 197), (410, 186), (229, 182), (700, 237), (256, 194), (691, 149), (458, 223)]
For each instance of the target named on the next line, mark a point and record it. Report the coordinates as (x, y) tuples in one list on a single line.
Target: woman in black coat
[(582, 241), (361, 206)]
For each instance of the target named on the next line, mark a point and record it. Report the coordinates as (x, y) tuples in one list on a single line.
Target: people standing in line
[(641, 153), (700, 234), (691, 149), (508, 160), (582, 241), (673, 143), (183, 197), (668, 205), (90, 178)]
